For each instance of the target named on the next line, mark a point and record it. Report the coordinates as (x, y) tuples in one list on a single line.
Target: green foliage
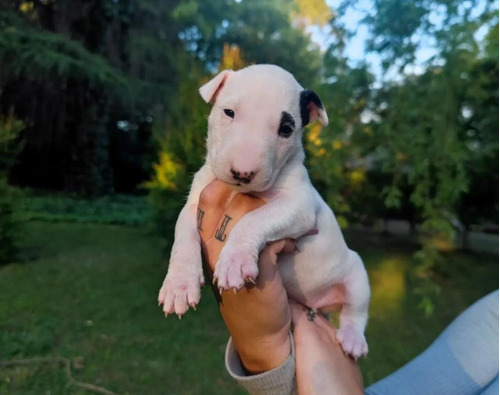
[(430, 134), (423, 146), (39, 55), (393, 25), (116, 210), (10, 144), (181, 147), (10, 128), (9, 223), (263, 30)]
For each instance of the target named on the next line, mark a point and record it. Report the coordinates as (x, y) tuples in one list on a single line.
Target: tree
[(427, 128)]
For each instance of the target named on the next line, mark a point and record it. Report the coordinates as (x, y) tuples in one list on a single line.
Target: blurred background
[(102, 127)]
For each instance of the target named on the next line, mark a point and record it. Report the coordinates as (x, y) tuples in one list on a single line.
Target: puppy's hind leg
[(354, 313)]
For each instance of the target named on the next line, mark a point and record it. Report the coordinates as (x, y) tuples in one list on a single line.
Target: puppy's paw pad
[(352, 341)]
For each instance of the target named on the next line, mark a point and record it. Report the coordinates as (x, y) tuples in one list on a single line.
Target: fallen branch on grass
[(67, 364)]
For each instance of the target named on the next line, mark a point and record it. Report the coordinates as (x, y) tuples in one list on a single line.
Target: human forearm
[(277, 381), (257, 316), (321, 365)]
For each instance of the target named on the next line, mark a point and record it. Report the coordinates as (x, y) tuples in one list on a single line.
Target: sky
[(357, 52), (356, 48)]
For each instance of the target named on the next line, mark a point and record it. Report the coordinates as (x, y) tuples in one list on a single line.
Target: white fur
[(250, 144)]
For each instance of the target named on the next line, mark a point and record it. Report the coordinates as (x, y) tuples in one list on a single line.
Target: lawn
[(89, 291)]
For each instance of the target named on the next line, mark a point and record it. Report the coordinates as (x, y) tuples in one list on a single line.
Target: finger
[(268, 257), (284, 246)]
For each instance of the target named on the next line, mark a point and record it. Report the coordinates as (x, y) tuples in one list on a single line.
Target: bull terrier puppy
[(254, 144)]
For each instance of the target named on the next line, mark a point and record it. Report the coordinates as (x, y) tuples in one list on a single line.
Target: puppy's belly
[(315, 275)]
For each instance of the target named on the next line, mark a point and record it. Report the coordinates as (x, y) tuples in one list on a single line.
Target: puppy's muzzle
[(243, 176)]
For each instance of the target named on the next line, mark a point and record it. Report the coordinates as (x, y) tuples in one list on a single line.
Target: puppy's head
[(256, 124)]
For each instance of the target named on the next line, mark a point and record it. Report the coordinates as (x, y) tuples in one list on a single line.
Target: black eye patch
[(287, 125)]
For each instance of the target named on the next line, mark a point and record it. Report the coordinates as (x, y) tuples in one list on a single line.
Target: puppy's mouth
[(243, 187)]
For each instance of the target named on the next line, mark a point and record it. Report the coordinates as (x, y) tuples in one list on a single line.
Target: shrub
[(10, 127), (115, 210)]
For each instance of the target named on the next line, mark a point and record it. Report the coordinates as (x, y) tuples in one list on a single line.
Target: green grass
[(89, 290)]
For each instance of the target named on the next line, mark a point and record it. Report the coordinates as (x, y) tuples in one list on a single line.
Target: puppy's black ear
[(209, 91), (311, 108)]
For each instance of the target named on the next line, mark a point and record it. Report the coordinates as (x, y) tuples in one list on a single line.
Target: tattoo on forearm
[(201, 213), (220, 234)]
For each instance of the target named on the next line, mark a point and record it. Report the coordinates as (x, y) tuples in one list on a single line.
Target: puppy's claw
[(220, 290), (250, 280), (180, 316), (193, 305), (214, 280), (235, 290)]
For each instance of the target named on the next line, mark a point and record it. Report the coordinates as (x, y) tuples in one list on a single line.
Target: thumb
[(269, 255), (283, 246)]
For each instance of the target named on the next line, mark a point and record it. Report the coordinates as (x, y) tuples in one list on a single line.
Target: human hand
[(320, 363), (257, 316)]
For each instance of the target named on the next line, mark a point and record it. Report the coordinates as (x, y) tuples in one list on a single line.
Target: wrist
[(264, 354)]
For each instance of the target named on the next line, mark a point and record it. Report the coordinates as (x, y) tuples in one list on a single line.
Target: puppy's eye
[(285, 131), (287, 125), (229, 113)]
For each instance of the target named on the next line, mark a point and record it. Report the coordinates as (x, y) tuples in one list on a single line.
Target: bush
[(10, 127), (118, 209), (9, 226)]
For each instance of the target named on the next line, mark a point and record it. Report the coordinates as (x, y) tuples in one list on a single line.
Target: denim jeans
[(462, 360)]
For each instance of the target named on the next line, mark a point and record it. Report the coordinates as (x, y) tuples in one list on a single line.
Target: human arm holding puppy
[(258, 318)]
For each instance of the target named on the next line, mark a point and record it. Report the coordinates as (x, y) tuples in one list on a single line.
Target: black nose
[(243, 176)]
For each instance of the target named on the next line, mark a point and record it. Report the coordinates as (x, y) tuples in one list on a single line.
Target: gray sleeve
[(278, 381)]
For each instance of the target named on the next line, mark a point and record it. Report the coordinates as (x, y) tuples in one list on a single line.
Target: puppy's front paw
[(235, 267), (352, 342), (179, 291)]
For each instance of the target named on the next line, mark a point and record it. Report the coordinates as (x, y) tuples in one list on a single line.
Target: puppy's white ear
[(311, 108), (209, 91)]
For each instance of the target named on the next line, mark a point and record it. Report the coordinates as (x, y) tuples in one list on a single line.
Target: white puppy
[(254, 145)]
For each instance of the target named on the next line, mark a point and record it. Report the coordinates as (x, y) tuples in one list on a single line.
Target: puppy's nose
[(243, 176)]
